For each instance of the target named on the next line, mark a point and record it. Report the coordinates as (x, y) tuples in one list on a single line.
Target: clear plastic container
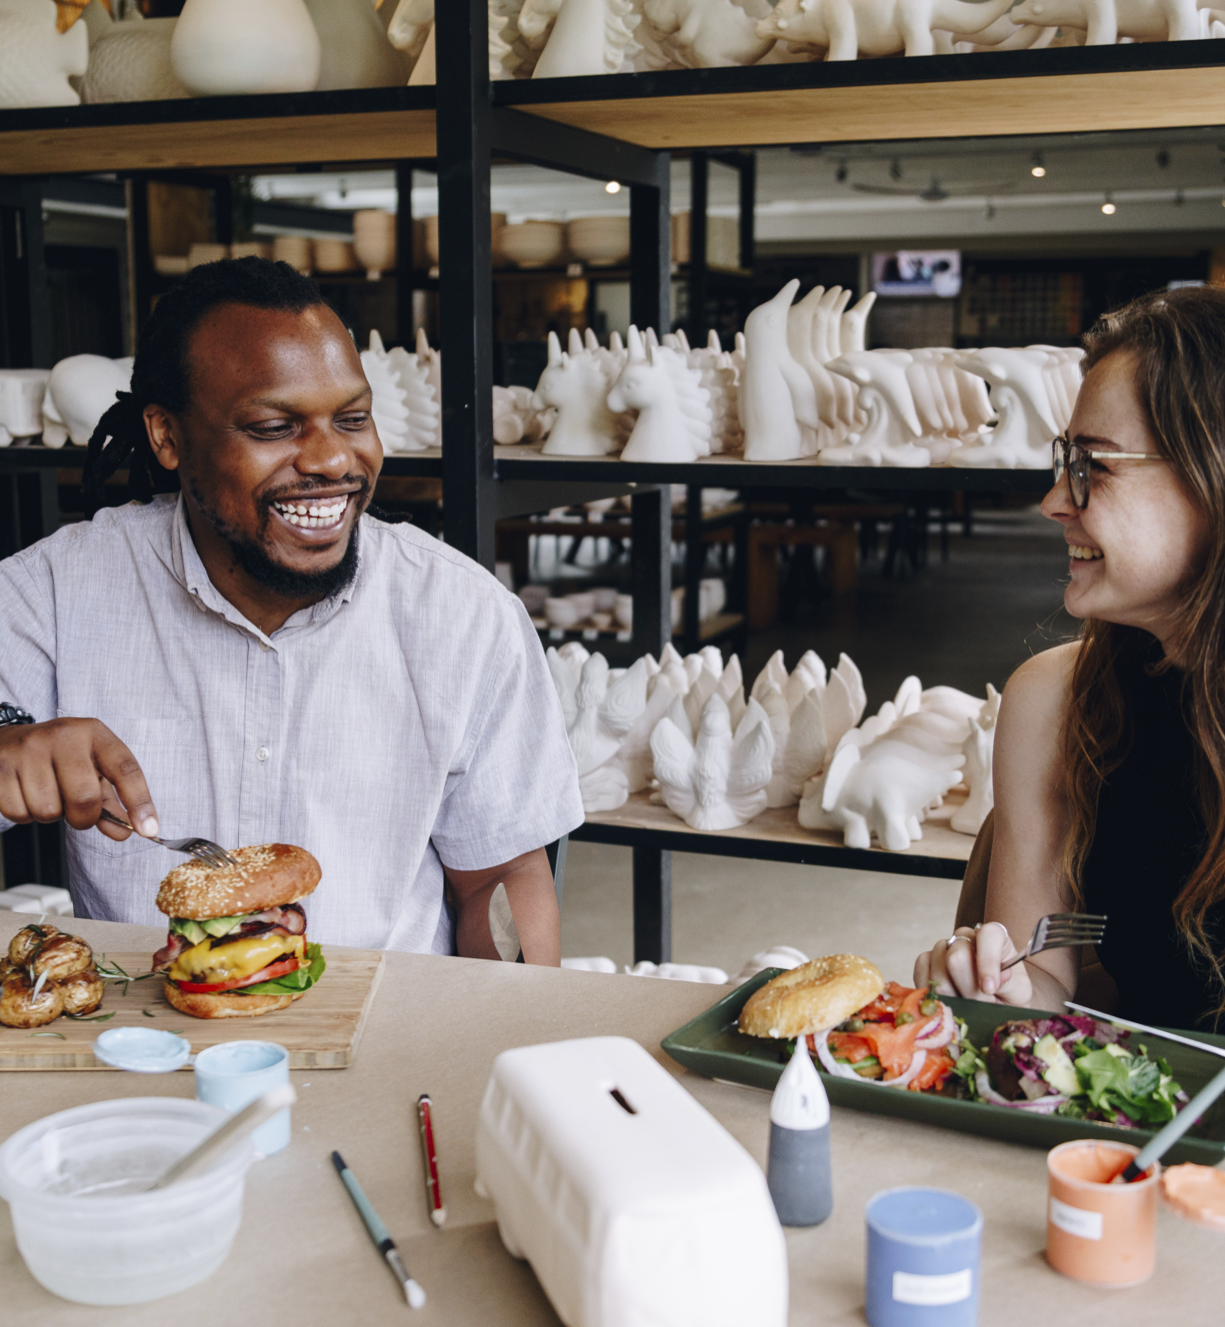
[(84, 1226)]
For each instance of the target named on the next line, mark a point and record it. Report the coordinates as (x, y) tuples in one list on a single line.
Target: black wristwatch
[(10, 713)]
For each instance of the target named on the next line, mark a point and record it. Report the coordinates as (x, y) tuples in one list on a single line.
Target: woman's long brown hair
[(1177, 341)]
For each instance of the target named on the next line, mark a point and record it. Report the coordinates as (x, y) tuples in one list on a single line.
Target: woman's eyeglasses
[(1072, 458)]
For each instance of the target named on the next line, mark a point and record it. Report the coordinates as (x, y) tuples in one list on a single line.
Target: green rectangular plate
[(711, 1045)]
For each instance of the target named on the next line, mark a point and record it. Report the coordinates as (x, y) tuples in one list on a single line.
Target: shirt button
[(263, 753), (264, 645)]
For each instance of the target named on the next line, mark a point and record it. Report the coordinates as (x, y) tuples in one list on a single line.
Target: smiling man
[(253, 659)]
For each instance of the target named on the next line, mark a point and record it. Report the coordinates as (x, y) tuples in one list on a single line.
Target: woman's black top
[(1148, 839)]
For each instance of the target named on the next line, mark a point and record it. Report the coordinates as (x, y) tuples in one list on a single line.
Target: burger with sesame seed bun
[(237, 945)]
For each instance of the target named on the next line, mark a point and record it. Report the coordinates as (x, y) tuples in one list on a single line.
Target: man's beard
[(285, 581)]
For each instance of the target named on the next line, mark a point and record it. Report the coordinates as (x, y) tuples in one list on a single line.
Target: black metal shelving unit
[(615, 127)]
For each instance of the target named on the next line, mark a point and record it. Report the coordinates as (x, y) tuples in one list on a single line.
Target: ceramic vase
[(36, 59), (374, 242), (355, 51), (226, 47), (130, 61), (296, 250)]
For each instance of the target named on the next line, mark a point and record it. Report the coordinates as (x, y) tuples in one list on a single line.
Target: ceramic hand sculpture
[(21, 403), (847, 28), (80, 390), (1104, 21), (674, 420), (776, 395), (589, 37), (36, 59), (223, 47), (888, 437), (130, 61), (979, 749), (715, 780), (575, 385), (1022, 438), (709, 33)]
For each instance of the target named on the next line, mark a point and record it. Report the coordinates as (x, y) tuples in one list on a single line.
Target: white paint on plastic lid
[(142, 1050)]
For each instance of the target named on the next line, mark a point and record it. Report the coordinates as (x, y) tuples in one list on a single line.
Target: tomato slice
[(281, 968)]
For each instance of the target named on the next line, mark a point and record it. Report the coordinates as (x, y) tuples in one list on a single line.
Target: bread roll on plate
[(814, 997)]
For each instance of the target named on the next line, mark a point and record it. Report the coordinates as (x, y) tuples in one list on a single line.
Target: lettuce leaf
[(292, 983), (1142, 1089)]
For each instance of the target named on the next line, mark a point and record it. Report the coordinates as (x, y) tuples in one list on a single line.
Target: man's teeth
[(316, 515), (1083, 553)]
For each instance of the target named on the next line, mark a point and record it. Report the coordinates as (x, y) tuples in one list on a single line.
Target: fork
[(1061, 930), (210, 853)]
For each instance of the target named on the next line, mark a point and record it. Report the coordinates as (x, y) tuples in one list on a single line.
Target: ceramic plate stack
[(600, 241), (533, 243)]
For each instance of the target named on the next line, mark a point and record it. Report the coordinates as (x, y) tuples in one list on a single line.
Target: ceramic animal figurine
[(130, 61), (21, 403), (716, 780), (847, 28), (799, 744), (710, 33), (978, 749), (222, 47), (419, 419), (1022, 438), (36, 59), (588, 37), (828, 328), (575, 385), (515, 417), (390, 414), (802, 337), (888, 437), (717, 376), (1104, 21), (674, 419), (776, 395), (634, 756), (356, 51), (80, 390)]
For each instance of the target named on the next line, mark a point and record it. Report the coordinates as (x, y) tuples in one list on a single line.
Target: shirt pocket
[(163, 749)]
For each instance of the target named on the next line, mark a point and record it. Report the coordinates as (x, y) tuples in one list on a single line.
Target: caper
[(902, 1018), (854, 1024), (928, 1007)]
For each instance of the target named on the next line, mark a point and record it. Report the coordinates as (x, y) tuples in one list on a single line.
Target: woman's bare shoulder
[(1027, 747), (1040, 684)]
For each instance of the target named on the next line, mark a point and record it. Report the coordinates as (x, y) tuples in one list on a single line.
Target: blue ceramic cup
[(923, 1259), (233, 1074)]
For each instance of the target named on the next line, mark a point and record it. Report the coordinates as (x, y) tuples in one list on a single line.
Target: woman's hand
[(968, 964)]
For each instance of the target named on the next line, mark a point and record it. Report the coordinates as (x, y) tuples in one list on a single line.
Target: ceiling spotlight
[(1163, 158), (1108, 207), (612, 187), (840, 173), (1038, 169), (895, 169)]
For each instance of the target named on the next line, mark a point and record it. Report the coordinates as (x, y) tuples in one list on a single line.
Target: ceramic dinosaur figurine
[(848, 28)]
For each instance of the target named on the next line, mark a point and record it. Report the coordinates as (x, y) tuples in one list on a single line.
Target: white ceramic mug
[(233, 1074)]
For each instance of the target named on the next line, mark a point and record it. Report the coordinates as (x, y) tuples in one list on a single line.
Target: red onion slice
[(828, 1063), (1040, 1106), (902, 1080), (944, 1031)]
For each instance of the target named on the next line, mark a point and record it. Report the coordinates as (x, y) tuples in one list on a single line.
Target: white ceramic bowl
[(605, 599), (599, 241), (560, 613), (533, 243), (296, 250), (624, 611), (584, 603), (601, 621)]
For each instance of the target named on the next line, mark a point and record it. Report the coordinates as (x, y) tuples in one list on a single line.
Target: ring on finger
[(948, 944)]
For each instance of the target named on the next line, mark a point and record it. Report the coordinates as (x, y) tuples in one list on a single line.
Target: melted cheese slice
[(237, 959)]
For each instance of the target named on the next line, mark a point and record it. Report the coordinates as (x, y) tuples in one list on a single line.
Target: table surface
[(436, 1026)]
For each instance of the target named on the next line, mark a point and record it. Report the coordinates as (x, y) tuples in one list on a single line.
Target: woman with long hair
[(1110, 751)]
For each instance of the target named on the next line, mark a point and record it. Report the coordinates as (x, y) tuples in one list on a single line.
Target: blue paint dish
[(924, 1247), (142, 1050)]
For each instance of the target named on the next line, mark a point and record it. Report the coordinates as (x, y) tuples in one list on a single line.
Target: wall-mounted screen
[(914, 272)]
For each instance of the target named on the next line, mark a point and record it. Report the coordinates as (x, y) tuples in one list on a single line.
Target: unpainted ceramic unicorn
[(575, 384), (674, 420)]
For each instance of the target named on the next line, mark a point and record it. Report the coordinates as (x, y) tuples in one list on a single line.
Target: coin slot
[(615, 1093)]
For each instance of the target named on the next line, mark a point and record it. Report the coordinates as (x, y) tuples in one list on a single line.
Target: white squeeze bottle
[(798, 1172)]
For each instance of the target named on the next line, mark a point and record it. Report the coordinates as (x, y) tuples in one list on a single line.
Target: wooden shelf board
[(426, 464), (778, 836), (369, 125), (733, 471), (1089, 89)]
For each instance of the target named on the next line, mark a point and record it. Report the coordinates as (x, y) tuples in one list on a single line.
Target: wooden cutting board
[(320, 1031)]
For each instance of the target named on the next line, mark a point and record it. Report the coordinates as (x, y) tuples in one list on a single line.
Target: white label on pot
[(951, 1288), (1075, 1220)]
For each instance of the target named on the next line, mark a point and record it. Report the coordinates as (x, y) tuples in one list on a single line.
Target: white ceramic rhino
[(80, 390), (36, 59), (876, 27)]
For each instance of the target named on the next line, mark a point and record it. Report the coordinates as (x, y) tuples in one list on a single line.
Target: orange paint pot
[(1097, 1231)]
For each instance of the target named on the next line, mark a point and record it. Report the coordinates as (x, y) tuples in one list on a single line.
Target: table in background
[(302, 1254)]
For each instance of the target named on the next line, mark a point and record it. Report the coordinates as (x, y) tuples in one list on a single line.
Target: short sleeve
[(517, 789), (27, 639)]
